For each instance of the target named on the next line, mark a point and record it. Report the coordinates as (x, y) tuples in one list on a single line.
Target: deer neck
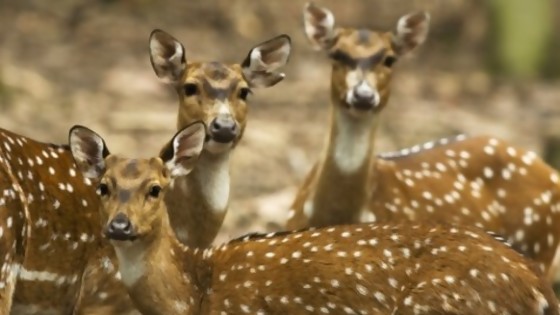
[(160, 274), (197, 203), (342, 186)]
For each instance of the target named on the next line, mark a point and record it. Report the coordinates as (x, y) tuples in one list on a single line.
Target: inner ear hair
[(166, 152)]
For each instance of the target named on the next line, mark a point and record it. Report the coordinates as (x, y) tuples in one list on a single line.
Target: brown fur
[(480, 181), (353, 269), (218, 94), (54, 227), (54, 233)]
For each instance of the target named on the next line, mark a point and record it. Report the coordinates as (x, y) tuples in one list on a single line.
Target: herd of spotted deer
[(456, 226)]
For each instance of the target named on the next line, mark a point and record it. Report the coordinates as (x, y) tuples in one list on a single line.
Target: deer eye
[(102, 190), (389, 61), (243, 93), (190, 89), (154, 191)]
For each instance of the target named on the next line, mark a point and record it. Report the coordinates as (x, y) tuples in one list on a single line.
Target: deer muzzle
[(362, 96), (223, 129), (120, 228)]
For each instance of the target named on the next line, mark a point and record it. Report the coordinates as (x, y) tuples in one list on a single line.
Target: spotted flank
[(50, 225), (480, 181), (420, 147), (360, 269), (477, 181)]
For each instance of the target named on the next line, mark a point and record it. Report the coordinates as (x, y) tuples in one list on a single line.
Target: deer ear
[(412, 31), (260, 65), (181, 153), (167, 56), (89, 151), (318, 24)]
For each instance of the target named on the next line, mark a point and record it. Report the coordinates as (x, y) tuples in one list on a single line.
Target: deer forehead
[(216, 74), (130, 173), (361, 43)]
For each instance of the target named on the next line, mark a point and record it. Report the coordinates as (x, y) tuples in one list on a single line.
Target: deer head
[(217, 93), (362, 59), (126, 186)]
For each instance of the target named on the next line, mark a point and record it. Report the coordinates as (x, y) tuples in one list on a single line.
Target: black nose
[(120, 228), (364, 102), (223, 129)]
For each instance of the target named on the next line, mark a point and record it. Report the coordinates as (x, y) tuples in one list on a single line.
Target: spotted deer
[(347, 269), (54, 260), (49, 226), (215, 93), (478, 181)]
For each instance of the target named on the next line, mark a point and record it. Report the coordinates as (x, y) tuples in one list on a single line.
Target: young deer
[(49, 239), (215, 93), (478, 181), (353, 269)]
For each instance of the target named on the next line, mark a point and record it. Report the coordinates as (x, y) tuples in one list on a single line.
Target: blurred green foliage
[(522, 36)]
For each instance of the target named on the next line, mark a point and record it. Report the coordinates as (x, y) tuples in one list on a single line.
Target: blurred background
[(488, 67)]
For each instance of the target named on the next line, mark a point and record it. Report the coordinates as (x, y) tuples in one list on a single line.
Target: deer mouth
[(223, 136), (362, 106), (219, 145), (119, 235)]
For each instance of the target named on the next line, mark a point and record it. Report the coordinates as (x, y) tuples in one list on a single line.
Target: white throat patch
[(131, 263), (215, 182), (352, 142)]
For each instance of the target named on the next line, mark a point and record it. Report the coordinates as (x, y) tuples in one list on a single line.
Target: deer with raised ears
[(478, 181), (347, 269), (49, 242), (215, 93), (362, 62)]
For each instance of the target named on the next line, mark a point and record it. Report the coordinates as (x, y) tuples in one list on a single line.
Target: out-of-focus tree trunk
[(522, 35)]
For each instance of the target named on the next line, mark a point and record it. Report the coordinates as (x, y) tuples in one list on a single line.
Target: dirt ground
[(87, 63)]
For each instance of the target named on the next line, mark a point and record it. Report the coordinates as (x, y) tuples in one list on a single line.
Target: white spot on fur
[(367, 216), (42, 276), (542, 302)]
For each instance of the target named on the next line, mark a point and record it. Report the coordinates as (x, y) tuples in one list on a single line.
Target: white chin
[(122, 244), (217, 147)]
